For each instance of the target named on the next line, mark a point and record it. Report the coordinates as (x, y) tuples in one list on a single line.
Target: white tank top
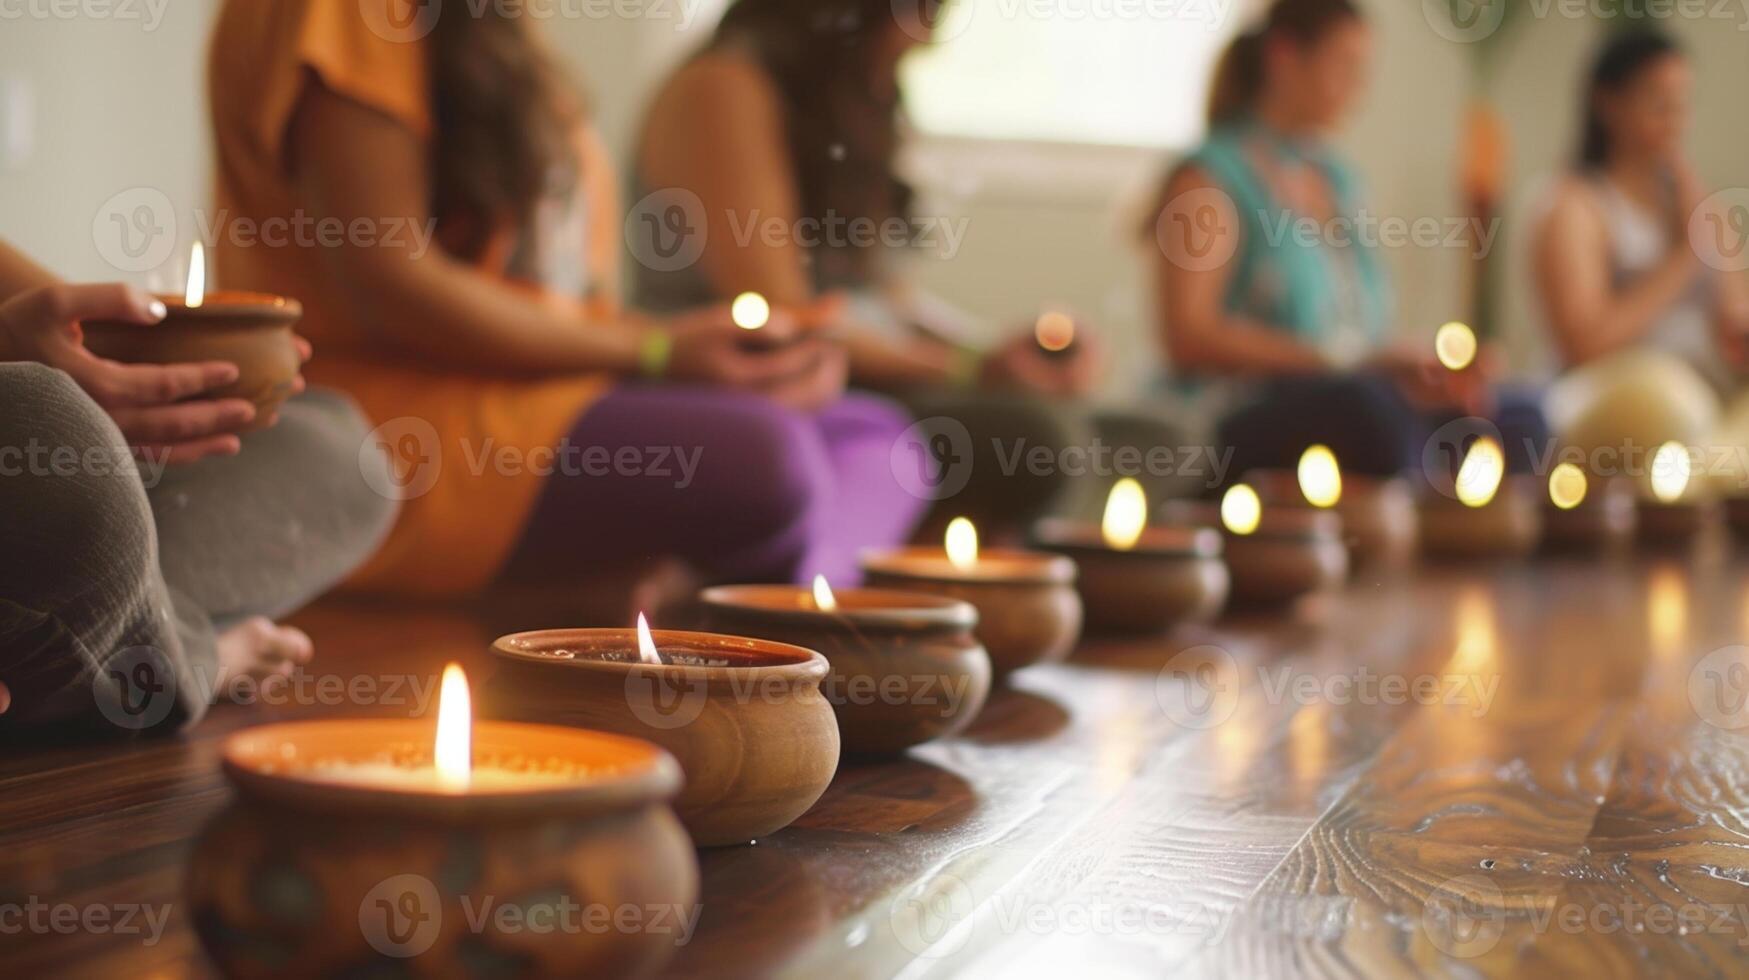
[(1638, 241)]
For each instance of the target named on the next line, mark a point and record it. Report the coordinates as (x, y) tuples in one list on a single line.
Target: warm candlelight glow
[(196, 293), (646, 644), (453, 752), (1055, 331), (1320, 477), (962, 544), (1126, 514), (1479, 477), (1241, 510), (1567, 486), (750, 311), (824, 600), (1671, 470), (1455, 345)]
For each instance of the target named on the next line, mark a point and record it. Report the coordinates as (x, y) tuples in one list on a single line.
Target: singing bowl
[(1172, 576), (745, 717), (303, 877), (251, 330), (1028, 609), (905, 667)]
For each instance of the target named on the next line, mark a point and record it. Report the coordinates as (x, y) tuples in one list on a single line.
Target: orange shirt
[(459, 518)]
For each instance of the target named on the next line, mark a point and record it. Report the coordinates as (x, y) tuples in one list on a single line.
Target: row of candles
[(741, 729)]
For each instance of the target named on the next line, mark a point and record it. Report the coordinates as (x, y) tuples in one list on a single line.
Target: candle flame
[(1320, 477), (1455, 345), (962, 544), (1126, 515), (196, 293), (824, 600), (1055, 331), (453, 752), (750, 311), (1479, 477), (1568, 486), (647, 644), (1671, 470), (1241, 510)]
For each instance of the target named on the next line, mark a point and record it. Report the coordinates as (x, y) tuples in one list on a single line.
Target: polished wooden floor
[(1502, 771)]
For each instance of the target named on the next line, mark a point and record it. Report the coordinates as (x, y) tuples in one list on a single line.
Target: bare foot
[(259, 655)]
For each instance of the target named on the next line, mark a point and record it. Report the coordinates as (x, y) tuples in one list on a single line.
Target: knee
[(786, 475), (352, 476)]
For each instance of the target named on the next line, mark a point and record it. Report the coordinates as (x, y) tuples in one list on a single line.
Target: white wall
[(120, 104)]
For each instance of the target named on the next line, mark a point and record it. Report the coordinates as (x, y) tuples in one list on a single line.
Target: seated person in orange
[(540, 431)]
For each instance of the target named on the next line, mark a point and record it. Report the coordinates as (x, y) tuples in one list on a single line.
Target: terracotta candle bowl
[(323, 870), (1604, 519), (1173, 575), (1028, 610), (1379, 519), (1508, 526), (906, 667), (250, 330), (1294, 551), (746, 718)]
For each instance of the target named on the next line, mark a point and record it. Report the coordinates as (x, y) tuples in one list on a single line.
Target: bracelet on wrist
[(654, 353)]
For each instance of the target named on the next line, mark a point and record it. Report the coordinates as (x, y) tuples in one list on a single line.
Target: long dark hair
[(506, 120), (843, 134), (1239, 74), (1619, 62)]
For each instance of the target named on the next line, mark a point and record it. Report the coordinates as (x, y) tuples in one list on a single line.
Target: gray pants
[(116, 574)]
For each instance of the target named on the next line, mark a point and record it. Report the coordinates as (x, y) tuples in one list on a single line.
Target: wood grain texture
[(1567, 793)]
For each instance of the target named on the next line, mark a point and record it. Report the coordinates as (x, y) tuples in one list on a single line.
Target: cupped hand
[(154, 405), (781, 361), (1021, 363)]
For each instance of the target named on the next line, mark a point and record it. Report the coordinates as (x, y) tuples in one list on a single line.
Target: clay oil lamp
[(1680, 508), (251, 330), (1274, 554), (1578, 516), (906, 668), (357, 840), (1028, 610), (745, 717), (1140, 579), (1485, 515), (1379, 520)]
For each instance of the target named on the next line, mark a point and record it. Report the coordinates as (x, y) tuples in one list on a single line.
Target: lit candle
[(251, 330), (1485, 515), (750, 311), (1680, 508), (1028, 610), (1055, 332), (906, 667), (1377, 515), (1320, 478), (1274, 552), (745, 717), (1135, 578), (1579, 517), (1455, 345)]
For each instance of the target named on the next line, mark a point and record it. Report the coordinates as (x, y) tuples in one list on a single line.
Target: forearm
[(1626, 317), (450, 313), (1241, 347), (885, 364)]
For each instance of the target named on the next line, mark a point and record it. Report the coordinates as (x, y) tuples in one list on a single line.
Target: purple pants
[(741, 488)]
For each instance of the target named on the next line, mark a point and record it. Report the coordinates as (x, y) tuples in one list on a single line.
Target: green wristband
[(968, 366), (654, 352)]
